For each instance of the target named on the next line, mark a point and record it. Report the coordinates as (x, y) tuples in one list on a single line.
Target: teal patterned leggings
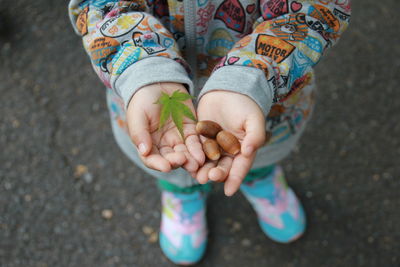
[(253, 174)]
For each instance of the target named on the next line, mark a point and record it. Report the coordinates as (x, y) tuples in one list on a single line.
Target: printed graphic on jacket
[(220, 43), (149, 42), (101, 48), (274, 8), (231, 12), (81, 22), (273, 47), (120, 25), (205, 15)]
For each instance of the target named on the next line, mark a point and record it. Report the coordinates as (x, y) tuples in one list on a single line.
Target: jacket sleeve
[(128, 47), (277, 58)]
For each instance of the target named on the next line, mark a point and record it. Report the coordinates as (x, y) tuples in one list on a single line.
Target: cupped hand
[(241, 116), (162, 149)]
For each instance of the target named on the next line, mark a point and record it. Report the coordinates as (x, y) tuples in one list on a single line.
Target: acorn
[(211, 149), (228, 142), (208, 129)]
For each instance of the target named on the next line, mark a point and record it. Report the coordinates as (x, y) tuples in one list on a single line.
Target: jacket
[(265, 49)]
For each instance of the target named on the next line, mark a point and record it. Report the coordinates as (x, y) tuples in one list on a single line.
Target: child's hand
[(241, 116), (162, 149)]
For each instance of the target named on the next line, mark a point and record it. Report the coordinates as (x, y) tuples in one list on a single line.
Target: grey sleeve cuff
[(248, 81), (148, 71)]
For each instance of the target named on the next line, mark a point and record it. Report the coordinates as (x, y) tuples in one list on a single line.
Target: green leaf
[(177, 118), (164, 98), (186, 111), (173, 106), (180, 96), (165, 112)]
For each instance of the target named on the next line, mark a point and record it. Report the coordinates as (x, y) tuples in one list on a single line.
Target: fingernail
[(142, 148), (228, 192)]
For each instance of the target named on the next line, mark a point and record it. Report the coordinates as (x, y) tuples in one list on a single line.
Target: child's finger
[(155, 161), (202, 173), (176, 159), (191, 164), (255, 135), (221, 171), (240, 167), (138, 127), (195, 148)]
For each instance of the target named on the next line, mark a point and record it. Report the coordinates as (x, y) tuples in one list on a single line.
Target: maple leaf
[(172, 106)]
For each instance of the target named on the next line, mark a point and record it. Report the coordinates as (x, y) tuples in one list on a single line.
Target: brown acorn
[(211, 149), (228, 142), (208, 129)]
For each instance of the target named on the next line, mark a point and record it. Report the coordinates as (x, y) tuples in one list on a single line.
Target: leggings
[(253, 174)]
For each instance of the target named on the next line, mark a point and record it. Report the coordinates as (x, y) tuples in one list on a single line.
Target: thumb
[(138, 127), (255, 135)]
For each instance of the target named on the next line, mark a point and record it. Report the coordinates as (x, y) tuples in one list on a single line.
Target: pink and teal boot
[(183, 233), (280, 214)]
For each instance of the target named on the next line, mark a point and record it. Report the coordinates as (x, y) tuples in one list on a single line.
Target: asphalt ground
[(69, 197)]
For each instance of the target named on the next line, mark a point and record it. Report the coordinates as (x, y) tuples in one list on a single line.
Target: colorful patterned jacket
[(265, 49)]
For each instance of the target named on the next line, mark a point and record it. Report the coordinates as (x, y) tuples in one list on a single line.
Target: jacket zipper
[(189, 9)]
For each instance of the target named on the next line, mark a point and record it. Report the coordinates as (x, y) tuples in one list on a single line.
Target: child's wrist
[(216, 95), (172, 86), (164, 84)]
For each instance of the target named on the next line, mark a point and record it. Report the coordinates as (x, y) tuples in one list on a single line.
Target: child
[(250, 65)]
